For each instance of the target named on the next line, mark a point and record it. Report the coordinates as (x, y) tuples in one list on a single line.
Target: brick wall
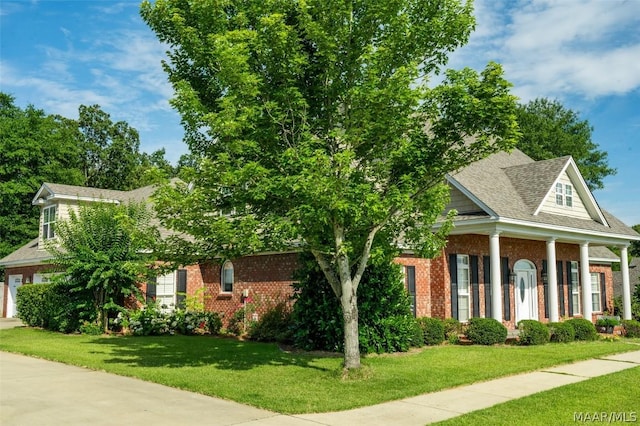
[(423, 295)]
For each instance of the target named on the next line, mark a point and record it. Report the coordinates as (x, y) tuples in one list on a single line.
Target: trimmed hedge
[(532, 332), (275, 325), (433, 330), (585, 330), (53, 307), (561, 332), (486, 331), (631, 327)]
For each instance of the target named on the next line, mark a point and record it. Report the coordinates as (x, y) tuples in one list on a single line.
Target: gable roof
[(512, 187)]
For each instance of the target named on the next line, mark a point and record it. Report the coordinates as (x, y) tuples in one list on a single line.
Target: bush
[(486, 331), (631, 327), (392, 334), (607, 322), (91, 328), (585, 330), (561, 332), (188, 322), (236, 324), (53, 307), (452, 329), (433, 330), (383, 305), (274, 326), (148, 321), (532, 332)]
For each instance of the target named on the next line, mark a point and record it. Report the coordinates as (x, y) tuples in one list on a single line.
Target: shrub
[(607, 322), (91, 328), (391, 334), (561, 332), (631, 327), (383, 305), (532, 332), (187, 322), (585, 330), (274, 326), (452, 329), (486, 331), (237, 323), (53, 307), (433, 330), (148, 321)]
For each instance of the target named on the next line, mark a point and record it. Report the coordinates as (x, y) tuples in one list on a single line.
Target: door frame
[(526, 274), (15, 281)]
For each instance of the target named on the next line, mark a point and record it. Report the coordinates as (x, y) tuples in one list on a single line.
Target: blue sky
[(58, 55)]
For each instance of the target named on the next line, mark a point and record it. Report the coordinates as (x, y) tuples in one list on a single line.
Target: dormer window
[(48, 222), (564, 195)]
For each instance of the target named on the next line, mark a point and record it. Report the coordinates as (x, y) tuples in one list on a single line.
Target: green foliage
[(53, 307), (607, 321), (152, 320), (34, 148), (275, 325), (634, 248), (533, 332), (486, 331), (549, 130), (561, 332), (237, 324), (585, 330), (91, 328), (391, 334), (188, 322), (318, 128), (383, 305), (631, 327), (452, 330), (433, 330), (105, 251)]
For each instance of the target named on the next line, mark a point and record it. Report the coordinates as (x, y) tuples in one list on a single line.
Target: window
[(575, 288), (568, 195), (48, 222), (227, 277), (463, 287), (595, 292), (564, 195), (559, 197)]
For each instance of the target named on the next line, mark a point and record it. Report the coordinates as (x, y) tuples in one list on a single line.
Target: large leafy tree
[(34, 148), (105, 251), (318, 129), (550, 130)]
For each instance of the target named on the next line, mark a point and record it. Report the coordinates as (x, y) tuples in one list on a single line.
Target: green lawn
[(614, 398), (262, 375)]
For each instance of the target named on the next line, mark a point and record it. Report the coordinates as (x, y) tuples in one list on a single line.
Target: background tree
[(319, 130), (550, 130), (34, 148), (104, 250), (634, 248)]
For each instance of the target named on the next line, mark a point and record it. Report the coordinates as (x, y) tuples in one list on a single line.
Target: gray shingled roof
[(84, 191), (27, 254), (634, 277), (512, 186)]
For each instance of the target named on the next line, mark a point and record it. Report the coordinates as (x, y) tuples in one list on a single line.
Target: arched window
[(227, 277)]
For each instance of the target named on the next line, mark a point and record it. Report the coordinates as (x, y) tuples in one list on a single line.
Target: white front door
[(526, 291), (15, 281)]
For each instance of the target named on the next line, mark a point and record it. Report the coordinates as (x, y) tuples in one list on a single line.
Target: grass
[(262, 375), (614, 395)]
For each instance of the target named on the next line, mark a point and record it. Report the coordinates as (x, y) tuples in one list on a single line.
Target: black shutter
[(569, 289), (603, 293), (151, 290), (505, 286), (453, 274), (181, 288), (475, 286), (545, 289), (560, 287), (410, 272), (486, 261)]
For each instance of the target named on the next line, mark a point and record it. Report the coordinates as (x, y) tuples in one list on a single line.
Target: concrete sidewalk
[(39, 392)]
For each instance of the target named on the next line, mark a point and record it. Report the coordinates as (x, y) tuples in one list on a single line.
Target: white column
[(585, 281), (496, 276), (626, 288), (552, 280)]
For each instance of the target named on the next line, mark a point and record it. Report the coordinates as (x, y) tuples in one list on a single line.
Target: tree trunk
[(349, 302)]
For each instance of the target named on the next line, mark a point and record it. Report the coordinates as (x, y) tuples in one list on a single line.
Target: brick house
[(529, 242)]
